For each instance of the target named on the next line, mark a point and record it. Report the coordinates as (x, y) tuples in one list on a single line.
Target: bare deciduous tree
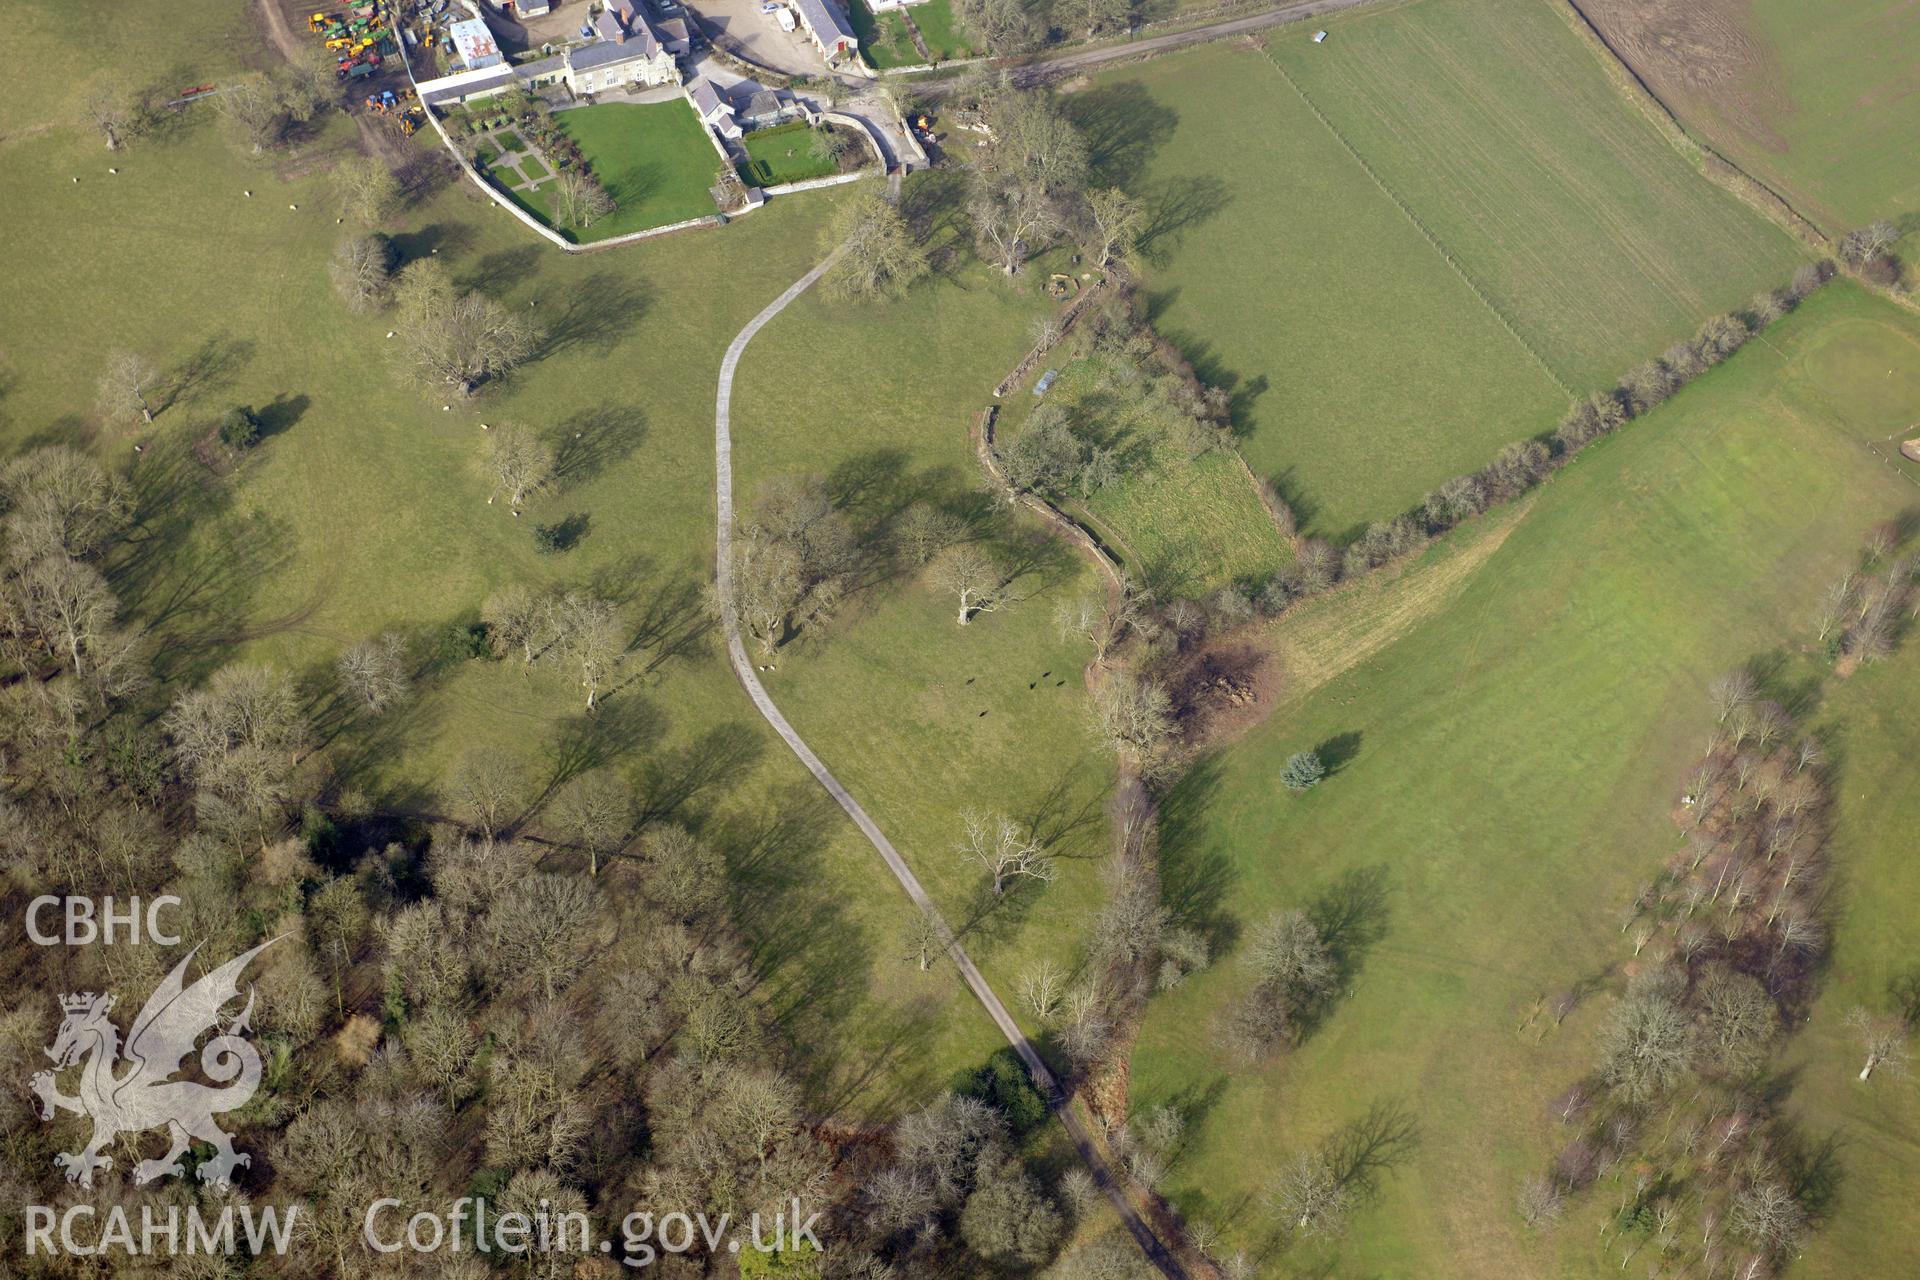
[(454, 339), (1041, 988), (578, 199), (1308, 1197), (587, 629), (112, 109), (489, 788), (882, 258), (374, 672), (1883, 1040), (595, 811), (1118, 219), (1730, 693), (971, 574), (129, 388), (1012, 218), (362, 270), (522, 464), (366, 188), (517, 617), (1135, 715), (997, 843)]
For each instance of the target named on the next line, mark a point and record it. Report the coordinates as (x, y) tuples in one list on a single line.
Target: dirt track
[(1067, 64), (374, 139)]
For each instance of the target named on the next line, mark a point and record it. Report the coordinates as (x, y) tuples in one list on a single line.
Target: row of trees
[(1681, 1109)]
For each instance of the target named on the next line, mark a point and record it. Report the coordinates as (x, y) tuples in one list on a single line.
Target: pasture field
[(365, 509), (924, 719), (1580, 224), (1186, 525), (151, 49), (1821, 104), (1873, 946), (1505, 764), (1363, 369)]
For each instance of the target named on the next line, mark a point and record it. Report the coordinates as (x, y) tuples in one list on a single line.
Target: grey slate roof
[(544, 67), (706, 100), (636, 28), (453, 93), (826, 21), (605, 53), (764, 103)]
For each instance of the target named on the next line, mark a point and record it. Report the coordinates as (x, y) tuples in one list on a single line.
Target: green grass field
[(654, 160), (1187, 525), (365, 509), (884, 39), (920, 717), (1366, 370), (1511, 751), (1490, 119), (782, 154), (1820, 104), (1336, 234), (941, 31)]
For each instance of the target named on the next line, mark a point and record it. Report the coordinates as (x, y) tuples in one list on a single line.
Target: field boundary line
[(1719, 169), (1420, 226), (1117, 1185)]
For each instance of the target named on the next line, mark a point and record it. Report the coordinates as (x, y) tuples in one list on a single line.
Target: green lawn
[(654, 160), (1409, 242), (534, 168), (884, 40), (782, 154), (1489, 118), (941, 31), (1512, 748), (156, 50), (1823, 104), (920, 717), (1879, 810), (1187, 525), (1367, 371), (366, 509)]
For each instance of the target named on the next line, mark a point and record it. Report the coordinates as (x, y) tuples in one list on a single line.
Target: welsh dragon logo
[(131, 1090)]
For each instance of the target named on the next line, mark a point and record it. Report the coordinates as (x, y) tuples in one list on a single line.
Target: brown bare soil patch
[(1224, 687), (1701, 54)]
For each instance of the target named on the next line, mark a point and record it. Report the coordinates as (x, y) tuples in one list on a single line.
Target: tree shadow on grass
[(591, 441), (1196, 876), (280, 414), (1364, 1150), (208, 368), (503, 270), (717, 759), (1338, 751), (427, 241), (596, 314), (191, 567), (1174, 208), (588, 742), (1123, 127), (813, 964), (1351, 916)]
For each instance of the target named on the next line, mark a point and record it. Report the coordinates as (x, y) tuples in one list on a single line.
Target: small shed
[(1319, 37)]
